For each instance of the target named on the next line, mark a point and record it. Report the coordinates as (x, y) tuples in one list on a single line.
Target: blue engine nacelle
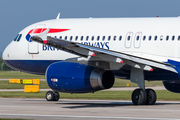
[(173, 86), (77, 78)]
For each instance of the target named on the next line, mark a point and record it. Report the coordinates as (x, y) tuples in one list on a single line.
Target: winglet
[(58, 16), (43, 35)]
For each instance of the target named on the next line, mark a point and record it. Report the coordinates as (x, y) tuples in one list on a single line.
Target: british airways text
[(103, 45)]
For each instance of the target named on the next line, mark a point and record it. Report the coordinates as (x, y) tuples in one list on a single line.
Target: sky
[(18, 14)]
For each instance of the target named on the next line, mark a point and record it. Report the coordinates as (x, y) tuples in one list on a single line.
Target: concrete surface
[(77, 109)]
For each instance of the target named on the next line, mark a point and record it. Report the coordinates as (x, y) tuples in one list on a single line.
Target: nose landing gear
[(52, 96)]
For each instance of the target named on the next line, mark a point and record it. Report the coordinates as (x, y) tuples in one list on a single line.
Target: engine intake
[(77, 78)]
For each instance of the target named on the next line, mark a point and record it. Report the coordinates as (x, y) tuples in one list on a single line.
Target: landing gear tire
[(50, 96), (139, 97), (56, 96), (151, 97)]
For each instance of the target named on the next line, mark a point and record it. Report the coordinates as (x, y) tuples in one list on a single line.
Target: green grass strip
[(4, 84), (19, 75)]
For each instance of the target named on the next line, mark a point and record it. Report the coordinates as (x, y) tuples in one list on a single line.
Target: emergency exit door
[(137, 40), (128, 39)]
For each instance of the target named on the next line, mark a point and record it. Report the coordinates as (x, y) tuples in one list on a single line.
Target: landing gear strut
[(52, 96)]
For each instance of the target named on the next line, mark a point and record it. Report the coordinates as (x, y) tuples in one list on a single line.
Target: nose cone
[(5, 55)]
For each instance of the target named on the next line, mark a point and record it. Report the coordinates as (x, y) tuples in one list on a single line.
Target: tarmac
[(77, 109)]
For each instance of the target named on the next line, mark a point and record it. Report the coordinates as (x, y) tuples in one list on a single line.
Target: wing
[(106, 55)]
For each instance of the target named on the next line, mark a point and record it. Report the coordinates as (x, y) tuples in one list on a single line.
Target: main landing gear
[(141, 96), (52, 96)]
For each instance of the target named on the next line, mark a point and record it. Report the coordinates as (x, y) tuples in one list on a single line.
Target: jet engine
[(173, 86), (77, 78)]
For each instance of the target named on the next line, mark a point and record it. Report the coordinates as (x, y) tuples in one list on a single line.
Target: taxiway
[(77, 109)]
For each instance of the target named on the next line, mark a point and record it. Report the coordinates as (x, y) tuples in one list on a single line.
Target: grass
[(106, 95), (123, 83), (4, 84), (19, 75)]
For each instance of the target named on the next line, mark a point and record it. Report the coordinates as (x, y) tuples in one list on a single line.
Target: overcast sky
[(18, 14)]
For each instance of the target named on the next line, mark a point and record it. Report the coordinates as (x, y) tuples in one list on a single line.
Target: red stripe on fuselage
[(40, 30)]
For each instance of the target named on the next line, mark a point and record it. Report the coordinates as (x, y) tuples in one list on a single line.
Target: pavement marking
[(96, 117)]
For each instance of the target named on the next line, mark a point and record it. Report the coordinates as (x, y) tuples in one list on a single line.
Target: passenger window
[(120, 37), (167, 37), (76, 38), (161, 38), (81, 38), (178, 37), (19, 37), (87, 37), (155, 38), (114, 38), (103, 38), (16, 37), (60, 37), (70, 38), (92, 37), (65, 38), (129, 38), (173, 37), (109, 38), (149, 37), (144, 37), (137, 38), (98, 38), (55, 36)]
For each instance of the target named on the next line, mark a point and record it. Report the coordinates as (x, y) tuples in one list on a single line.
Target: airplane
[(81, 55)]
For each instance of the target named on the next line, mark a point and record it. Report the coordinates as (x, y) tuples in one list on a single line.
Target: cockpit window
[(18, 37)]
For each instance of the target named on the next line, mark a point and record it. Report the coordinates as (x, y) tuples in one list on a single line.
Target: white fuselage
[(126, 35)]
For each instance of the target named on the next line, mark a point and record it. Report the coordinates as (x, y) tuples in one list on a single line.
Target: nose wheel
[(52, 96)]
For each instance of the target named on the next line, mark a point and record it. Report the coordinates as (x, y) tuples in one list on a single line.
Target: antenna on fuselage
[(58, 16)]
